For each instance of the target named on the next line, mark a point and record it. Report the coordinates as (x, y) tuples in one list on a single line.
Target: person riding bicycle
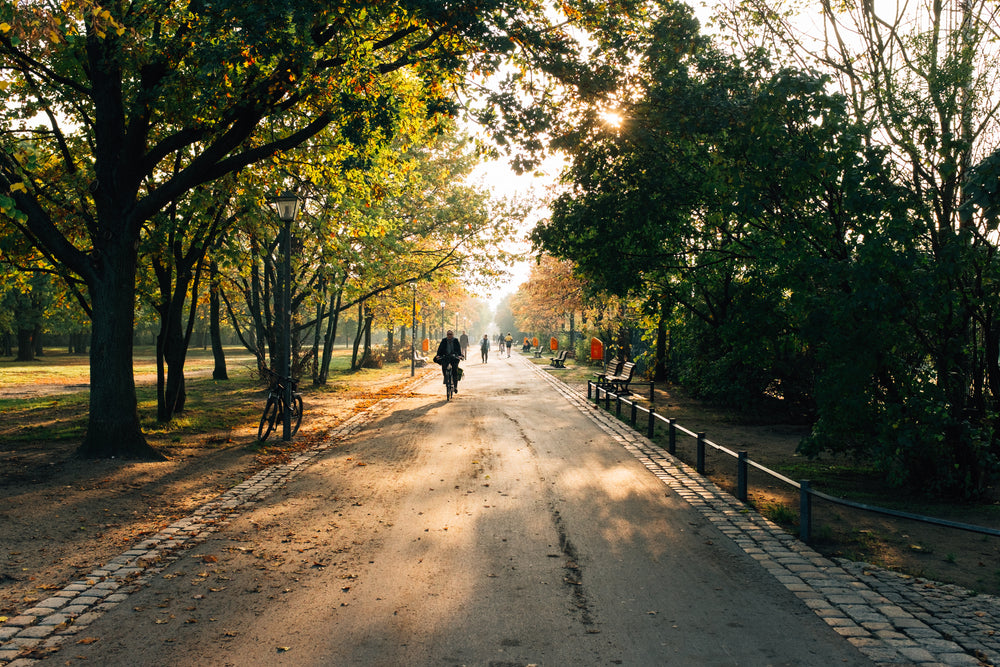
[(448, 354)]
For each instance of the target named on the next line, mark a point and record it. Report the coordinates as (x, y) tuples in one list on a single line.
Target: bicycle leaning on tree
[(274, 409)]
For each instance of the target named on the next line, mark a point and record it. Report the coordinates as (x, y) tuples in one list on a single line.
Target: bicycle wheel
[(296, 413), (267, 419), (449, 387)]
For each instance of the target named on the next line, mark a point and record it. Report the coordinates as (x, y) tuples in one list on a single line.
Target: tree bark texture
[(219, 372), (25, 346), (113, 429)]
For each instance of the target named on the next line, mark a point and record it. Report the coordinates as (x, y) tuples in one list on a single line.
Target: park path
[(503, 528)]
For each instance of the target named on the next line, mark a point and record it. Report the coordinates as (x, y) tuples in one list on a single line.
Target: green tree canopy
[(113, 112)]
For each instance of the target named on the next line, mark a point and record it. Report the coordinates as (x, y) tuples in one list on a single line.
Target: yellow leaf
[(18, 187)]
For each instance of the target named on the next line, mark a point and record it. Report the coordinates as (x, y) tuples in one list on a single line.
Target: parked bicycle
[(274, 409)]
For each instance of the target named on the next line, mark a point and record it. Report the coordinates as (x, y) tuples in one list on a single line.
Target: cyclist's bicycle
[(274, 409), (449, 371)]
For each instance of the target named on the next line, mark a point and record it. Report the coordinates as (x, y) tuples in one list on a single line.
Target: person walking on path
[(508, 341), (484, 347), (464, 341)]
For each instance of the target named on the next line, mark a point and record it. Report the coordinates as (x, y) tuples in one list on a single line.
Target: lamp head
[(287, 205)]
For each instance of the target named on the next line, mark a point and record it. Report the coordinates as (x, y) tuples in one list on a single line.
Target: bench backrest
[(627, 370), (614, 367)]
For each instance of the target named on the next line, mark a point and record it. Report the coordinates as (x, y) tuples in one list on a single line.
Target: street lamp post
[(442, 319), (287, 206)]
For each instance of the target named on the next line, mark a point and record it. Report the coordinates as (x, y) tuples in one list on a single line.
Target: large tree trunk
[(171, 351), (215, 325), (355, 362), (318, 331), (331, 334), (25, 346), (174, 338), (36, 340), (625, 342), (366, 356), (572, 333), (660, 365), (113, 426)]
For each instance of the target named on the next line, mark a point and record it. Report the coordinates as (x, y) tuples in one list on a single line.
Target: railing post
[(672, 436), (618, 406), (741, 476), (633, 415), (649, 424), (701, 454), (607, 399), (805, 510), (590, 384)]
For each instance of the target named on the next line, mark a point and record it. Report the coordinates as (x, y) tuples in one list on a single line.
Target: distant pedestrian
[(508, 341), (484, 347), (464, 341)]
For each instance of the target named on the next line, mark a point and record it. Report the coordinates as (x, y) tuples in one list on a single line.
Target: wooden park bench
[(612, 368), (537, 352), (419, 360), (619, 383), (558, 361)]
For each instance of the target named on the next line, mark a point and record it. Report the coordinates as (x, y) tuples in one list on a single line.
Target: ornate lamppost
[(287, 206)]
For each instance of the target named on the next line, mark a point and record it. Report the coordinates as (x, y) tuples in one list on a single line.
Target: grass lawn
[(47, 399)]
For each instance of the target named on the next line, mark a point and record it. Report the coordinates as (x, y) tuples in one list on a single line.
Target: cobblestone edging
[(50, 622), (891, 618)]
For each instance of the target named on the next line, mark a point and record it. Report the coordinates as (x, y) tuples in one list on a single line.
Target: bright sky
[(502, 180)]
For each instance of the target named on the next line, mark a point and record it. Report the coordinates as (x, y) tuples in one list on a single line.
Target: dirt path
[(502, 528)]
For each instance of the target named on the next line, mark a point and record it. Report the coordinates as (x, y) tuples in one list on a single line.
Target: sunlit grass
[(212, 406), (57, 367), (45, 418)]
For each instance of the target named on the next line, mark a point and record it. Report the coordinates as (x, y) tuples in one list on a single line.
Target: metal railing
[(597, 392)]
